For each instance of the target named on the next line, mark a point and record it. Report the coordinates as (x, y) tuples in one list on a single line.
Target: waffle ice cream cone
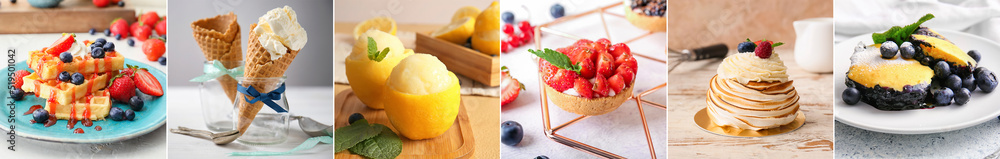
[(260, 65), (219, 39)]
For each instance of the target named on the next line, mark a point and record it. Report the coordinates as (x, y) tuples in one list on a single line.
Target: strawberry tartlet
[(588, 77)]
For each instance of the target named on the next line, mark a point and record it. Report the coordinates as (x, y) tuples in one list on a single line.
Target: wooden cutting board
[(71, 16), (457, 142)]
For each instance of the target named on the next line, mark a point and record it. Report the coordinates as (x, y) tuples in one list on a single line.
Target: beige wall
[(700, 23)]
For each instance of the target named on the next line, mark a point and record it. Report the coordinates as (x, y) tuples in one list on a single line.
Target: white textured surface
[(185, 110), (618, 132)]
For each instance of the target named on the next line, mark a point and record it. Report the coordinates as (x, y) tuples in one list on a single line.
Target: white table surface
[(185, 110), (618, 132)]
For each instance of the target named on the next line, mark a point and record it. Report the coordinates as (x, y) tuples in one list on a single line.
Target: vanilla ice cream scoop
[(279, 31)]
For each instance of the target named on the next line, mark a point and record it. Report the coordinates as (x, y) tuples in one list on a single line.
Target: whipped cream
[(747, 67), (279, 31)]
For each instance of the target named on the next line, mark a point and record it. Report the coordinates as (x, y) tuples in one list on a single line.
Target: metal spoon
[(313, 128), (217, 138)]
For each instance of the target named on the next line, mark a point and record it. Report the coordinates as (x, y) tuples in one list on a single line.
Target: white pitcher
[(814, 44)]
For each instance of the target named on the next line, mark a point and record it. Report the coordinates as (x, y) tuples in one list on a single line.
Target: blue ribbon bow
[(267, 98), (215, 70)]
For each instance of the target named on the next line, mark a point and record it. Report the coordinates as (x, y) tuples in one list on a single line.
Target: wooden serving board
[(457, 142), (461, 60), (71, 16)]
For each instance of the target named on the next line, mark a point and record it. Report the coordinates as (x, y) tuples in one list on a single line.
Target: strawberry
[(147, 83), (601, 87), (161, 27), (587, 69), (548, 70), (583, 42), (616, 83), (526, 37), (504, 46), (562, 80), (584, 87), (581, 54), (61, 45), (514, 41), (763, 50), (18, 75), (526, 27), (149, 18), (142, 31), (619, 49), (153, 48), (122, 87), (626, 72), (627, 59), (602, 44), (605, 64), (512, 89), (119, 27), (508, 29), (101, 3)]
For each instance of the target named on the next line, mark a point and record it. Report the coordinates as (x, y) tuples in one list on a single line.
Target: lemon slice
[(486, 38), (467, 11), (384, 24), (456, 32), (421, 97)]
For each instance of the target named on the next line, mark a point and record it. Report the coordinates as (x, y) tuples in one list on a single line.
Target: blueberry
[(962, 96), (747, 47), (97, 53), (110, 46), (15, 1), (17, 94), (954, 82), (969, 82), (511, 133), (66, 57), (889, 49), (162, 60), (851, 96), (986, 80), (942, 69), (107, 32), (507, 17), (116, 114), (907, 51), (40, 115), (542, 157), (131, 42), (557, 11), (65, 76), (355, 117), (129, 115), (975, 55), (77, 78), (118, 37), (92, 31), (101, 41), (121, 3), (943, 96), (135, 103)]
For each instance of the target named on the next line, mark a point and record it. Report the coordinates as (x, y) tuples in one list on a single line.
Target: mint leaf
[(386, 145), (900, 34), (373, 53), (349, 136), (777, 44), (557, 59)]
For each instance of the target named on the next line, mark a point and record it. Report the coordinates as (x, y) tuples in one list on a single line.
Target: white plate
[(981, 107)]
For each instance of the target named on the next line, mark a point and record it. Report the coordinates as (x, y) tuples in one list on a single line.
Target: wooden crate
[(461, 60), (71, 16)]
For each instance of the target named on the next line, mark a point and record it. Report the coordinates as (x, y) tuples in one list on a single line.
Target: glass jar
[(217, 97), (268, 126)]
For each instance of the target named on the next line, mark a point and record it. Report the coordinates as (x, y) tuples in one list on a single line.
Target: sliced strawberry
[(627, 59), (122, 88), (605, 65), (581, 54), (119, 27), (616, 83), (548, 70), (619, 49), (149, 18), (626, 73), (584, 87), (601, 87), (18, 77), (61, 45), (602, 44), (562, 80), (511, 90), (587, 69), (147, 83), (583, 42)]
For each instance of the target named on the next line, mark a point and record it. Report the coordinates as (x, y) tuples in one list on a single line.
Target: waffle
[(94, 107), (64, 92), (48, 67)]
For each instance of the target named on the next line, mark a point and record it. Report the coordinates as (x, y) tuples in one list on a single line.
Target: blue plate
[(153, 115)]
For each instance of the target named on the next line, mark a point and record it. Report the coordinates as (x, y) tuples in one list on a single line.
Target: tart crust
[(588, 107)]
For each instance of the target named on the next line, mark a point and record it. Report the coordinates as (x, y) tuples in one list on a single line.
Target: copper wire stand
[(551, 132)]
